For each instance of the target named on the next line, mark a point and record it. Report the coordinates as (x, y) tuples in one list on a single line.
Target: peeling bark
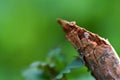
[(97, 53)]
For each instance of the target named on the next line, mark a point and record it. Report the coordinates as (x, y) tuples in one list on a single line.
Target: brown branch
[(98, 55)]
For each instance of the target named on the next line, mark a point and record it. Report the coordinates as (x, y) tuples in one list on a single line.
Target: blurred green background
[(28, 29)]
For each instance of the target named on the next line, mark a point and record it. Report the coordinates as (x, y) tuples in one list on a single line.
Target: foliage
[(48, 70), (77, 63)]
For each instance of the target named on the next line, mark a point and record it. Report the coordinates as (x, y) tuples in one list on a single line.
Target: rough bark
[(97, 53)]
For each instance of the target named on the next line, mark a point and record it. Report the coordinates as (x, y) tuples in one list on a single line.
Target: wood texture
[(97, 53)]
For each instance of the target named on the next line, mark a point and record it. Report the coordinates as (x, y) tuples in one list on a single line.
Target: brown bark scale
[(97, 53)]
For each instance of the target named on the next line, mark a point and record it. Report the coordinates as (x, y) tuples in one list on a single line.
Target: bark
[(97, 53)]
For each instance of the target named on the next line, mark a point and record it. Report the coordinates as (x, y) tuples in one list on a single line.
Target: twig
[(98, 55)]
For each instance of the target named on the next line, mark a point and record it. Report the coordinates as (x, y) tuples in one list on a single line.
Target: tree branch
[(98, 55)]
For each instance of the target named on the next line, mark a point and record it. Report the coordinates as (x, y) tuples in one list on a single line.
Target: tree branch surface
[(97, 53)]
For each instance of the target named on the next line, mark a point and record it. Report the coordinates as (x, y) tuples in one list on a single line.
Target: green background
[(28, 30)]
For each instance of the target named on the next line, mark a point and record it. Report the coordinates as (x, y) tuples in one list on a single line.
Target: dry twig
[(97, 53)]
